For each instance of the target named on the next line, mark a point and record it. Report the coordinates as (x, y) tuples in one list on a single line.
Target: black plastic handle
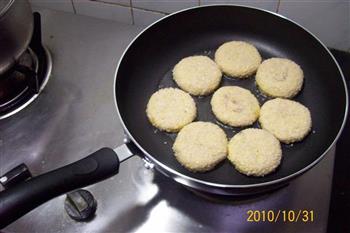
[(24, 197), (15, 176)]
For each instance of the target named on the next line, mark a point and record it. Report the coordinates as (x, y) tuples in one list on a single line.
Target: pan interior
[(147, 65)]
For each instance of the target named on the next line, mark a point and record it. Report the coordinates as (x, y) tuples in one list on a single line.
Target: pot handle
[(24, 197)]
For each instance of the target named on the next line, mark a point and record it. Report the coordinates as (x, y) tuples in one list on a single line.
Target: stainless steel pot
[(16, 29)]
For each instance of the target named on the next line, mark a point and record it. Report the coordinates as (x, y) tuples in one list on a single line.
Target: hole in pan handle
[(26, 196)]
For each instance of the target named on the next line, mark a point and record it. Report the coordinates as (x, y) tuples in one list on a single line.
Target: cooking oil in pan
[(204, 112)]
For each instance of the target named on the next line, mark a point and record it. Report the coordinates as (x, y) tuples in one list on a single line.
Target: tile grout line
[(123, 5), (132, 13), (112, 3), (120, 5), (278, 6), (74, 10), (148, 10)]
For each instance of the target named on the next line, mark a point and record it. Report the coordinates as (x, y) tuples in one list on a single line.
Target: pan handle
[(24, 197)]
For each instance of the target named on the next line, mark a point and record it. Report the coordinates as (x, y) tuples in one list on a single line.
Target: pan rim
[(221, 185)]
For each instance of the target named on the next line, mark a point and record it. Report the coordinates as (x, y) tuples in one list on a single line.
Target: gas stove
[(23, 83), (65, 124)]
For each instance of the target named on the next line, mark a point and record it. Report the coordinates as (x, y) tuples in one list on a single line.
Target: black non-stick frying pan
[(146, 66)]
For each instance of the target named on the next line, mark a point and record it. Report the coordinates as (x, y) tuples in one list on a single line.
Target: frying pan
[(146, 66)]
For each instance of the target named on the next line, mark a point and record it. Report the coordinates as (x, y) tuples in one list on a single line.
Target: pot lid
[(5, 5)]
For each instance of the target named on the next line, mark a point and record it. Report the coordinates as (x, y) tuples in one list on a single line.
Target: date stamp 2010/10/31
[(290, 216)]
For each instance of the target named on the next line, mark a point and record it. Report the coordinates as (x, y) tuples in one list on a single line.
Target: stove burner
[(14, 83), (23, 83)]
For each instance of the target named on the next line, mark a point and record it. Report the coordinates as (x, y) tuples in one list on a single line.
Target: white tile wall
[(328, 20), (60, 5), (103, 10), (165, 6), (142, 17), (270, 5)]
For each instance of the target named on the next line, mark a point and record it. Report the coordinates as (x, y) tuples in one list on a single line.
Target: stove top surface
[(75, 115)]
